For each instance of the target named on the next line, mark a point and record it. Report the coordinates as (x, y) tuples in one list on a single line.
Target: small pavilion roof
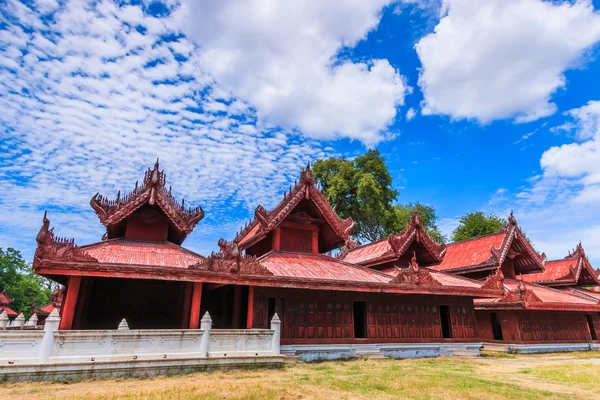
[(152, 192), (5, 298), (531, 296), (395, 246), (121, 251), (575, 269), (490, 251), (9, 311), (265, 221)]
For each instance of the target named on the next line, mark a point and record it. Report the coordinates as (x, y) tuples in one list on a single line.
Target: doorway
[(590, 323), (359, 309), (496, 327), (446, 322)]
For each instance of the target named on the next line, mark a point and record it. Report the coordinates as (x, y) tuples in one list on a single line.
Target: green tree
[(477, 224), (362, 189), (21, 284)]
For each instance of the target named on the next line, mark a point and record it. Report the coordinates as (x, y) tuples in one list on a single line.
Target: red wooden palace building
[(406, 288)]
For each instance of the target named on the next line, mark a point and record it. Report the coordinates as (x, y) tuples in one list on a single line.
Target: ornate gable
[(397, 246), (230, 260), (265, 221), (517, 247), (50, 247), (152, 191), (520, 295)]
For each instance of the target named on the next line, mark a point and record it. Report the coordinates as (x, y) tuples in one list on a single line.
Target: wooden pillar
[(81, 304), (187, 304), (276, 245), (315, 242), (250, 307), (237, 299), (68, 307), (195, 309)]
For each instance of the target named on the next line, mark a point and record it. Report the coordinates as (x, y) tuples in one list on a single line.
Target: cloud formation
[(93, 92), (284, 59), (502, 59)]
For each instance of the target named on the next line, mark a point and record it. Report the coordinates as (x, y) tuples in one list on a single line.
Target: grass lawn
[(489, 378)]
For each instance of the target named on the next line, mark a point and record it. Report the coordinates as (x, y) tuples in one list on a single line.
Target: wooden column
[(187, 304), (276, 245), (195, 309), (68, 307), (250, 307), (81, 303), (315, 242), (237, 299)]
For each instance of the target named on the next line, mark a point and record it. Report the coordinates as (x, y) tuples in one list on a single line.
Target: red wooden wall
[(539, 326), (327, 317)]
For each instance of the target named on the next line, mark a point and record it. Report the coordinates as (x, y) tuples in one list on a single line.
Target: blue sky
[(476, 105)]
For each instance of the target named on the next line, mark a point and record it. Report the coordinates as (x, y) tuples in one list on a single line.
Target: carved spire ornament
[(152, 191)]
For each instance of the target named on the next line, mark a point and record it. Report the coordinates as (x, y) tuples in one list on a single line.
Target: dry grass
[(436, 379)]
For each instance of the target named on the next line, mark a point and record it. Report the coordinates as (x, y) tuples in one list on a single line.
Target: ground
[(491, 377)]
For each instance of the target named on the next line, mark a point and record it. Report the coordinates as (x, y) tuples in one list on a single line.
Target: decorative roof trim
[(414, 275), (304, 189), (230, 259), (152, 191), (514, 232), (400, 243), (50, 247)]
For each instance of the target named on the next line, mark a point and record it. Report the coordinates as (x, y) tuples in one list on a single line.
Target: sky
[(489, 105)]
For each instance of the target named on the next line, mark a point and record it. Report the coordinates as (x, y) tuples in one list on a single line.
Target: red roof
[(369, 252), (4, 299), (9, 311), (587, 294), (141, 253), (318, 266), (469, 252), (555, 270)]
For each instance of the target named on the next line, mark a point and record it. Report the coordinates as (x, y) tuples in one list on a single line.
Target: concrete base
[(400, 350), (131, 368), (539, 348)]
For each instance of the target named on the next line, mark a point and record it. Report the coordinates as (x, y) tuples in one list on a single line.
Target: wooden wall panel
[(315, 316), (299, 240)]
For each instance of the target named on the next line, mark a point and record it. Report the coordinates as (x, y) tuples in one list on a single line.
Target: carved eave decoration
[(582, 262), (520, 295), (52, 248), (513, 232), (230, 260), (305, 188), (152, 191), (495, 281), (414, 275)]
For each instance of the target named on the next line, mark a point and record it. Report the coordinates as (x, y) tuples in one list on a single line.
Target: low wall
[(399, 351), (54, 354), (539, 348)]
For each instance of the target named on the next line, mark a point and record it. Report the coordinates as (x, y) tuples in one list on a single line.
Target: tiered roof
[(490, 251), (573, 270), (414, 236), (336, 231), (152, 192)]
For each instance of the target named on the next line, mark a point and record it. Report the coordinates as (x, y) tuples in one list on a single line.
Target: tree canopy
[(476, 224), (362, 189), (21, 284)]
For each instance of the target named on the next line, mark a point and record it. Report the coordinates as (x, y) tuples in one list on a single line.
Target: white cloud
[(410, 114), (283, 58), (88, 103), (503, 59), (561, 206)]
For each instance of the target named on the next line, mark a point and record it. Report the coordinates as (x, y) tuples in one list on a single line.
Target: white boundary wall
[(35, 351)]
